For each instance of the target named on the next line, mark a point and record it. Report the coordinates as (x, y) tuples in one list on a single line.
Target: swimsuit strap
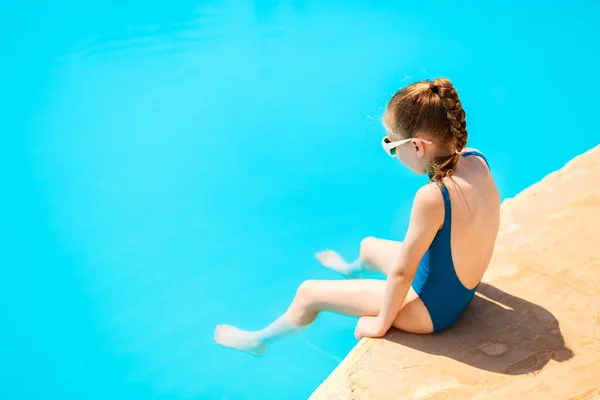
[(447, 205), (477, 154)]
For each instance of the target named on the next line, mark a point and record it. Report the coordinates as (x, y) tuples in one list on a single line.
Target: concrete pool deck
[(533, 329)]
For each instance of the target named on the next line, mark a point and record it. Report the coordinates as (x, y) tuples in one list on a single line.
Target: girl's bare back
[(475, 218)]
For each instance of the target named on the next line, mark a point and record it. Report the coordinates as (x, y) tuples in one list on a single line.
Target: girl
[(431, 276)]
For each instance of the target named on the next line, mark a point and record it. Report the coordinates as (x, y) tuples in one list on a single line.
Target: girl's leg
[(376, 255), (349, 297)]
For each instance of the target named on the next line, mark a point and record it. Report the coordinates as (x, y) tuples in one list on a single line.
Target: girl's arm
[(427, 217)]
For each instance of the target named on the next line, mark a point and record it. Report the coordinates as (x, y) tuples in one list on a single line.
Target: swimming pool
[(170, 167)]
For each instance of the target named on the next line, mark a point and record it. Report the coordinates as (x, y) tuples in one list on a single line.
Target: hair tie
[(433, 87)]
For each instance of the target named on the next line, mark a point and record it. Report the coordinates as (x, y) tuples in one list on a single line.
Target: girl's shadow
[(498, 333)]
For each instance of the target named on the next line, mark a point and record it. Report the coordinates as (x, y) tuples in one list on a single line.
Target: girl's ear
[(418, 148)]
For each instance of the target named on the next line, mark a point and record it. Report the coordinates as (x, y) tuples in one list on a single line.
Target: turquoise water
[(169, 166)]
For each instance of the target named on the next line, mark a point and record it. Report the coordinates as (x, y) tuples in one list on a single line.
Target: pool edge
[(359, 375)]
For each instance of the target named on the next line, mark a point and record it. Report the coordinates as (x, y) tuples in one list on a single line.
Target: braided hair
[(432, 107)]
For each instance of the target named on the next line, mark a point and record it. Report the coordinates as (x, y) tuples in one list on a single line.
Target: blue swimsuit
[(436, 281)]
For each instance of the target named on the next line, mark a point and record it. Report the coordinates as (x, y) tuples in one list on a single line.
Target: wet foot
[(332, 260), (230, 336)]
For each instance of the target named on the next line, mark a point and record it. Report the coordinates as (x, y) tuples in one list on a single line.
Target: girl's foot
[(230, 336), (332, 260)]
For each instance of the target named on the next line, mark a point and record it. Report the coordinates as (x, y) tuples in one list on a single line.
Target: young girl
[(431, 276)]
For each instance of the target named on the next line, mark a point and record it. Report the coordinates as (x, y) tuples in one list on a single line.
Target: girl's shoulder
[(430, 197), (427, 216)]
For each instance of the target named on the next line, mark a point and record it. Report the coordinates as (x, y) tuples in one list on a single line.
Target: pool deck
[(533, 329)]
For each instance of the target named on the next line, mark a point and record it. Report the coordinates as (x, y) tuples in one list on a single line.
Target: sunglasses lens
[(391, 152)]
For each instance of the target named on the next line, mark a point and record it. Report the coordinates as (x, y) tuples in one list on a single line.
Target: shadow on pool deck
[(540, 294), (498, 332)]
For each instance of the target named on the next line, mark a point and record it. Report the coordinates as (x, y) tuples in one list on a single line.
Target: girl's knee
[(302, 310), (366, 244), (305, 291)]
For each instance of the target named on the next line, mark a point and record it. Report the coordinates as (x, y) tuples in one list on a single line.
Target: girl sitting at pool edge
[(431, 276)]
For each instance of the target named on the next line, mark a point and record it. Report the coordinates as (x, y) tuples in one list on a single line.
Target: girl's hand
[(370, 327)]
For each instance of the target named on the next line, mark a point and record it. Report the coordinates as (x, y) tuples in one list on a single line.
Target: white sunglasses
[(390, 147)]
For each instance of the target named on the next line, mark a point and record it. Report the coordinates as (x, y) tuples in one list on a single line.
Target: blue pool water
[(169, 166)]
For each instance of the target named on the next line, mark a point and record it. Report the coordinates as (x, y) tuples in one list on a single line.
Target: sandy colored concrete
[(533, 329)]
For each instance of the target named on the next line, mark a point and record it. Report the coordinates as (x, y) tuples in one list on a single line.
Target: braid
[(444, 166), (454, 111)]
